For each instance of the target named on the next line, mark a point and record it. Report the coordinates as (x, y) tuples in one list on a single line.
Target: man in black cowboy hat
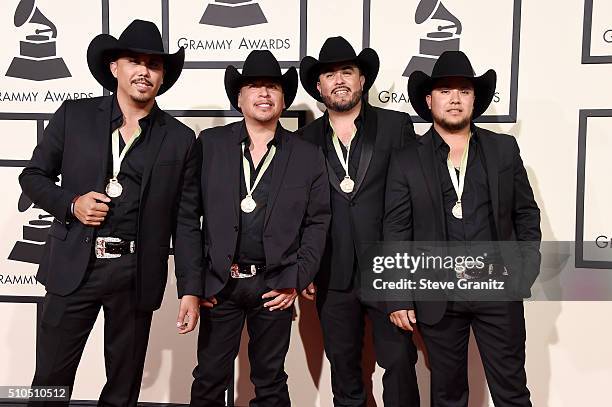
[(357, 140), (129, 183), (462, 183), (265, 203)]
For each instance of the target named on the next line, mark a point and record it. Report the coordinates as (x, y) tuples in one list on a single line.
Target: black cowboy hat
[(141, 37), (336, 50), (451, 64), (260, 64)]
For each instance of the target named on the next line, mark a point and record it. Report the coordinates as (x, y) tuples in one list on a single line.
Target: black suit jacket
[(383, 131), (76, 146), (297, 215), (414, 210)]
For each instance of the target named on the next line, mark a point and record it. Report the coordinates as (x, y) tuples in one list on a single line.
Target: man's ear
[(113, 68), (319, 87), (428, 100)]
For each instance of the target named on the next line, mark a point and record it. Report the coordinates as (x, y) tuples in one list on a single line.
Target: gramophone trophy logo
[(37, 60), (233, 13), (30, 248), (445, 38), (487, 31), (216, 33)]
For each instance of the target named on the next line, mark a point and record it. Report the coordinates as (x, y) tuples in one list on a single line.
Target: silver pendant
[(248, 204), (347, 185), (458, 211), (114, 188)]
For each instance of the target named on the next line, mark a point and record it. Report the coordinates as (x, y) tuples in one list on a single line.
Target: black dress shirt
[(478, 222), (122, 218), (355, 152), (250, 249)]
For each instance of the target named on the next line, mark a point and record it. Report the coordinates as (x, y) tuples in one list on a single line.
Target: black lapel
[(369, 131), (234, 154), (490, 155), (333, 179), (157, 135), (102, 138), (281, 159), (430, 174), (320, 139)]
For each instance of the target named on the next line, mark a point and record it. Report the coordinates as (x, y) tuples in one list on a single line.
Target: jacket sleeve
[(526, 219), (397, 222), (315, 225), (187, 234), (38, 180)]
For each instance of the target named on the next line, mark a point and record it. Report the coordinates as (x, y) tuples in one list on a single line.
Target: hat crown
[(261, 63), (142, 34), (336, 49), (452, 63)]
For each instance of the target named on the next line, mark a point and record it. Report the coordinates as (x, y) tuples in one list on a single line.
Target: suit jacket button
[(235, 228), (351, 203), (87, 239)]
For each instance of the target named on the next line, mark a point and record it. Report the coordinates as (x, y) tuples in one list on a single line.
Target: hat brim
[(234, 80), (310, 69), (104, 46), (420, 85)]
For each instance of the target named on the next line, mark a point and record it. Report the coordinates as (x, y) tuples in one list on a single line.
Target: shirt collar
[(440, 143), (359, 120), (244, 136), (117, 114)]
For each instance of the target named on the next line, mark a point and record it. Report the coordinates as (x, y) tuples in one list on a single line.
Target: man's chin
[(453, 125), (343, 104), (265, 117), (142, 98)]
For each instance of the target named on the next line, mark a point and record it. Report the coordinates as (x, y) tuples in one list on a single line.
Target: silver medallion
[(458, 211), (347, 185), (248, 204), (114, 188)]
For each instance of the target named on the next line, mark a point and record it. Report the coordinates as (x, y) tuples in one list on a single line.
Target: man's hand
[(189, 308), (208, 302), (283, 298), (309, 292), (91, 209), (403, 319)]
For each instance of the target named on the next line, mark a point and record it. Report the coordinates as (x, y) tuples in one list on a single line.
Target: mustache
[(142, 80), (343, 87)]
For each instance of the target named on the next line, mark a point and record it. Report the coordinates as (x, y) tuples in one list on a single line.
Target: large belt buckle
[(236, 273), (101, 247), (498, 270)]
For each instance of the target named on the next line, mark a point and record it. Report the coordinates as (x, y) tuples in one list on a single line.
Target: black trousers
[(66, 324), (499, 329), (219, 344), (342, 316)]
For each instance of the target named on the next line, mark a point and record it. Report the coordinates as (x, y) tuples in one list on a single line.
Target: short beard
[(454, 126), (342, 107)]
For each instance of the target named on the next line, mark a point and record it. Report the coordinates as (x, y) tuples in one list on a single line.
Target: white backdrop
[(554, 95)]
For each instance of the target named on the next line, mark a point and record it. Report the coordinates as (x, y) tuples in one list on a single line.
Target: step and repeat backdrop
[(554, 94)]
